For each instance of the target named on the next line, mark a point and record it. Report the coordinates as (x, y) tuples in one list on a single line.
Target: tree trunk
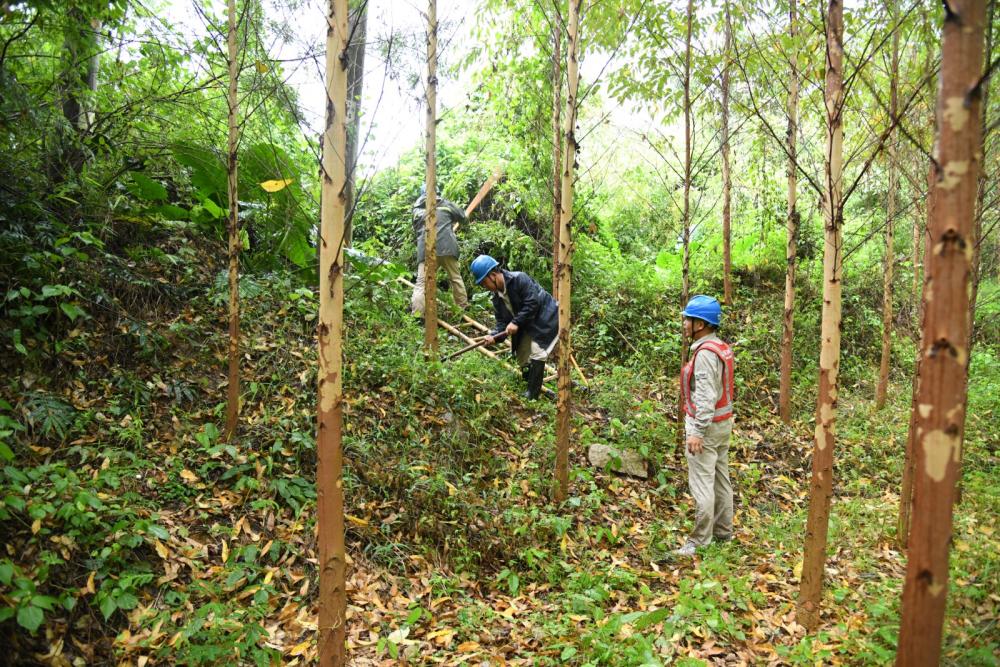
[(791, 225), (233, 394), (557, 145), (940, 413), (727, 186), (811, 588), (566, 253), (430, 235), (890, 215), (358, 28), (329, 474), (686, 213)]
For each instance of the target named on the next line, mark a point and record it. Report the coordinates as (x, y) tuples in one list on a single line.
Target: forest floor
[(144, 539)]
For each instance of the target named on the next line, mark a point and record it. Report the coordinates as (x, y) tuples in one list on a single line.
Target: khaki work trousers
[(449, 264), (528, 350), (708, 477)]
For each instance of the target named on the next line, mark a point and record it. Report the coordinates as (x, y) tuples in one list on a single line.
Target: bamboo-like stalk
[(791, 225), (233, 392), (883, 375), (727, 184), (329, 473), (821, 485), (566, 253), (557, 147), (686, 220), (430, 235), (940, 408)]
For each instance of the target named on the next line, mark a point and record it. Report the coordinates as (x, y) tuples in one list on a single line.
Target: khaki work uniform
[(449, 264), (708, 472)]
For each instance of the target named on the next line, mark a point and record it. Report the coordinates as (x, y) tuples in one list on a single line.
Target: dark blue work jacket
[(536, 313)]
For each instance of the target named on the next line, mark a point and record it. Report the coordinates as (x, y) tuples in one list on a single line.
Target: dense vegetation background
[(134, 533)]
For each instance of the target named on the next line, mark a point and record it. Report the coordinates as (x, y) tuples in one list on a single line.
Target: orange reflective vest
[(724, 407)]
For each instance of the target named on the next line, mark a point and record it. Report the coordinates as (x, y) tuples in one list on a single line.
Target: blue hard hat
[(481, 267), (704, 308)]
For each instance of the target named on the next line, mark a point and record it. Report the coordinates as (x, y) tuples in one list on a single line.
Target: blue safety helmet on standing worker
[(481, 267), (704, 308)]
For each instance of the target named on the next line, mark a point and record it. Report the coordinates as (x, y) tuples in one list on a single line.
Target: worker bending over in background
[(525, 312), (446, 245)]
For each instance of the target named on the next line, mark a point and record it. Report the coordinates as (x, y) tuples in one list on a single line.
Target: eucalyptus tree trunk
[(811, 588), (233, 394), (329, 473), (791, 225), (686, 260), (981, 189), (890, 215), (566, 253), (557, 144), (358, 28), (940, 410), (727, 185), (430, 235)]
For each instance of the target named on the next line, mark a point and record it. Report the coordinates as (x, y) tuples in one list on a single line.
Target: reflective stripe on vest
[(724, 407)]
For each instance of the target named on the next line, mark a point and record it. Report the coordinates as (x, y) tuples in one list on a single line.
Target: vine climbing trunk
[(233, 391), (821, 485), (791, 224), (566, 252), (686, 213), (430, 234), (557, 144), (329, 474), (890, 215), (940, 409), (727, 185)]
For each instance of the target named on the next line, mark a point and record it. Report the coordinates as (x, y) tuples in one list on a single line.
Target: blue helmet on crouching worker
[(481, 267), (705, 308)]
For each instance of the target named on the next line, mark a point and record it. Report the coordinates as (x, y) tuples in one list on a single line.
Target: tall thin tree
[(686, 209), (430, 235), (940, 409), (329, 474), (890, 215), (557, 148), (566, 252), (727, 185), (358, 26), (233, 393), (791, 221), (821, 483)]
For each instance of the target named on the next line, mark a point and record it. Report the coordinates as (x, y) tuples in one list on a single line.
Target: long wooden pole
[(557, 142), (566, 253), (233, 391), (821, 485), (329, 474), (940, 410), (430, 234)]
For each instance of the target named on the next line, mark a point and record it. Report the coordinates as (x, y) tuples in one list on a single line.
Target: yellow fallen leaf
[(277, 185), (162, 549), (188, 475), (89, 588), (468, 647), (797, 570), (225, 551), (36, 526), (299, 649), (355, 520)]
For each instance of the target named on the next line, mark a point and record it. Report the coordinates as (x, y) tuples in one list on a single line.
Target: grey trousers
[(708, 478), (449, 264)]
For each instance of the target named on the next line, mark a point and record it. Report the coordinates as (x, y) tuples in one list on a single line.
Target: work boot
[(525, 371), (536, 373)]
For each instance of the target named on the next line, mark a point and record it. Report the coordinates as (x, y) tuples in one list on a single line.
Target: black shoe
[(536, 373)]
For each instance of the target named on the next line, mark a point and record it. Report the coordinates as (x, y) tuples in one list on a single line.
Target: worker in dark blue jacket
[(525, 312)]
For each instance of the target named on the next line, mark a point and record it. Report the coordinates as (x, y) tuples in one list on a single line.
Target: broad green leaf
[(72, 310), (108, 606), (30, 617), (146, 188)]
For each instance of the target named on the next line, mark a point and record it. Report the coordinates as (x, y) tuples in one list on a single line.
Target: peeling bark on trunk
[(890, 215), (233, 393), (821, 485), (940, 410), (358, 28), (792, 228), (566, 254), (727, 185), (557, 145), (430, 235), (329, 475)]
